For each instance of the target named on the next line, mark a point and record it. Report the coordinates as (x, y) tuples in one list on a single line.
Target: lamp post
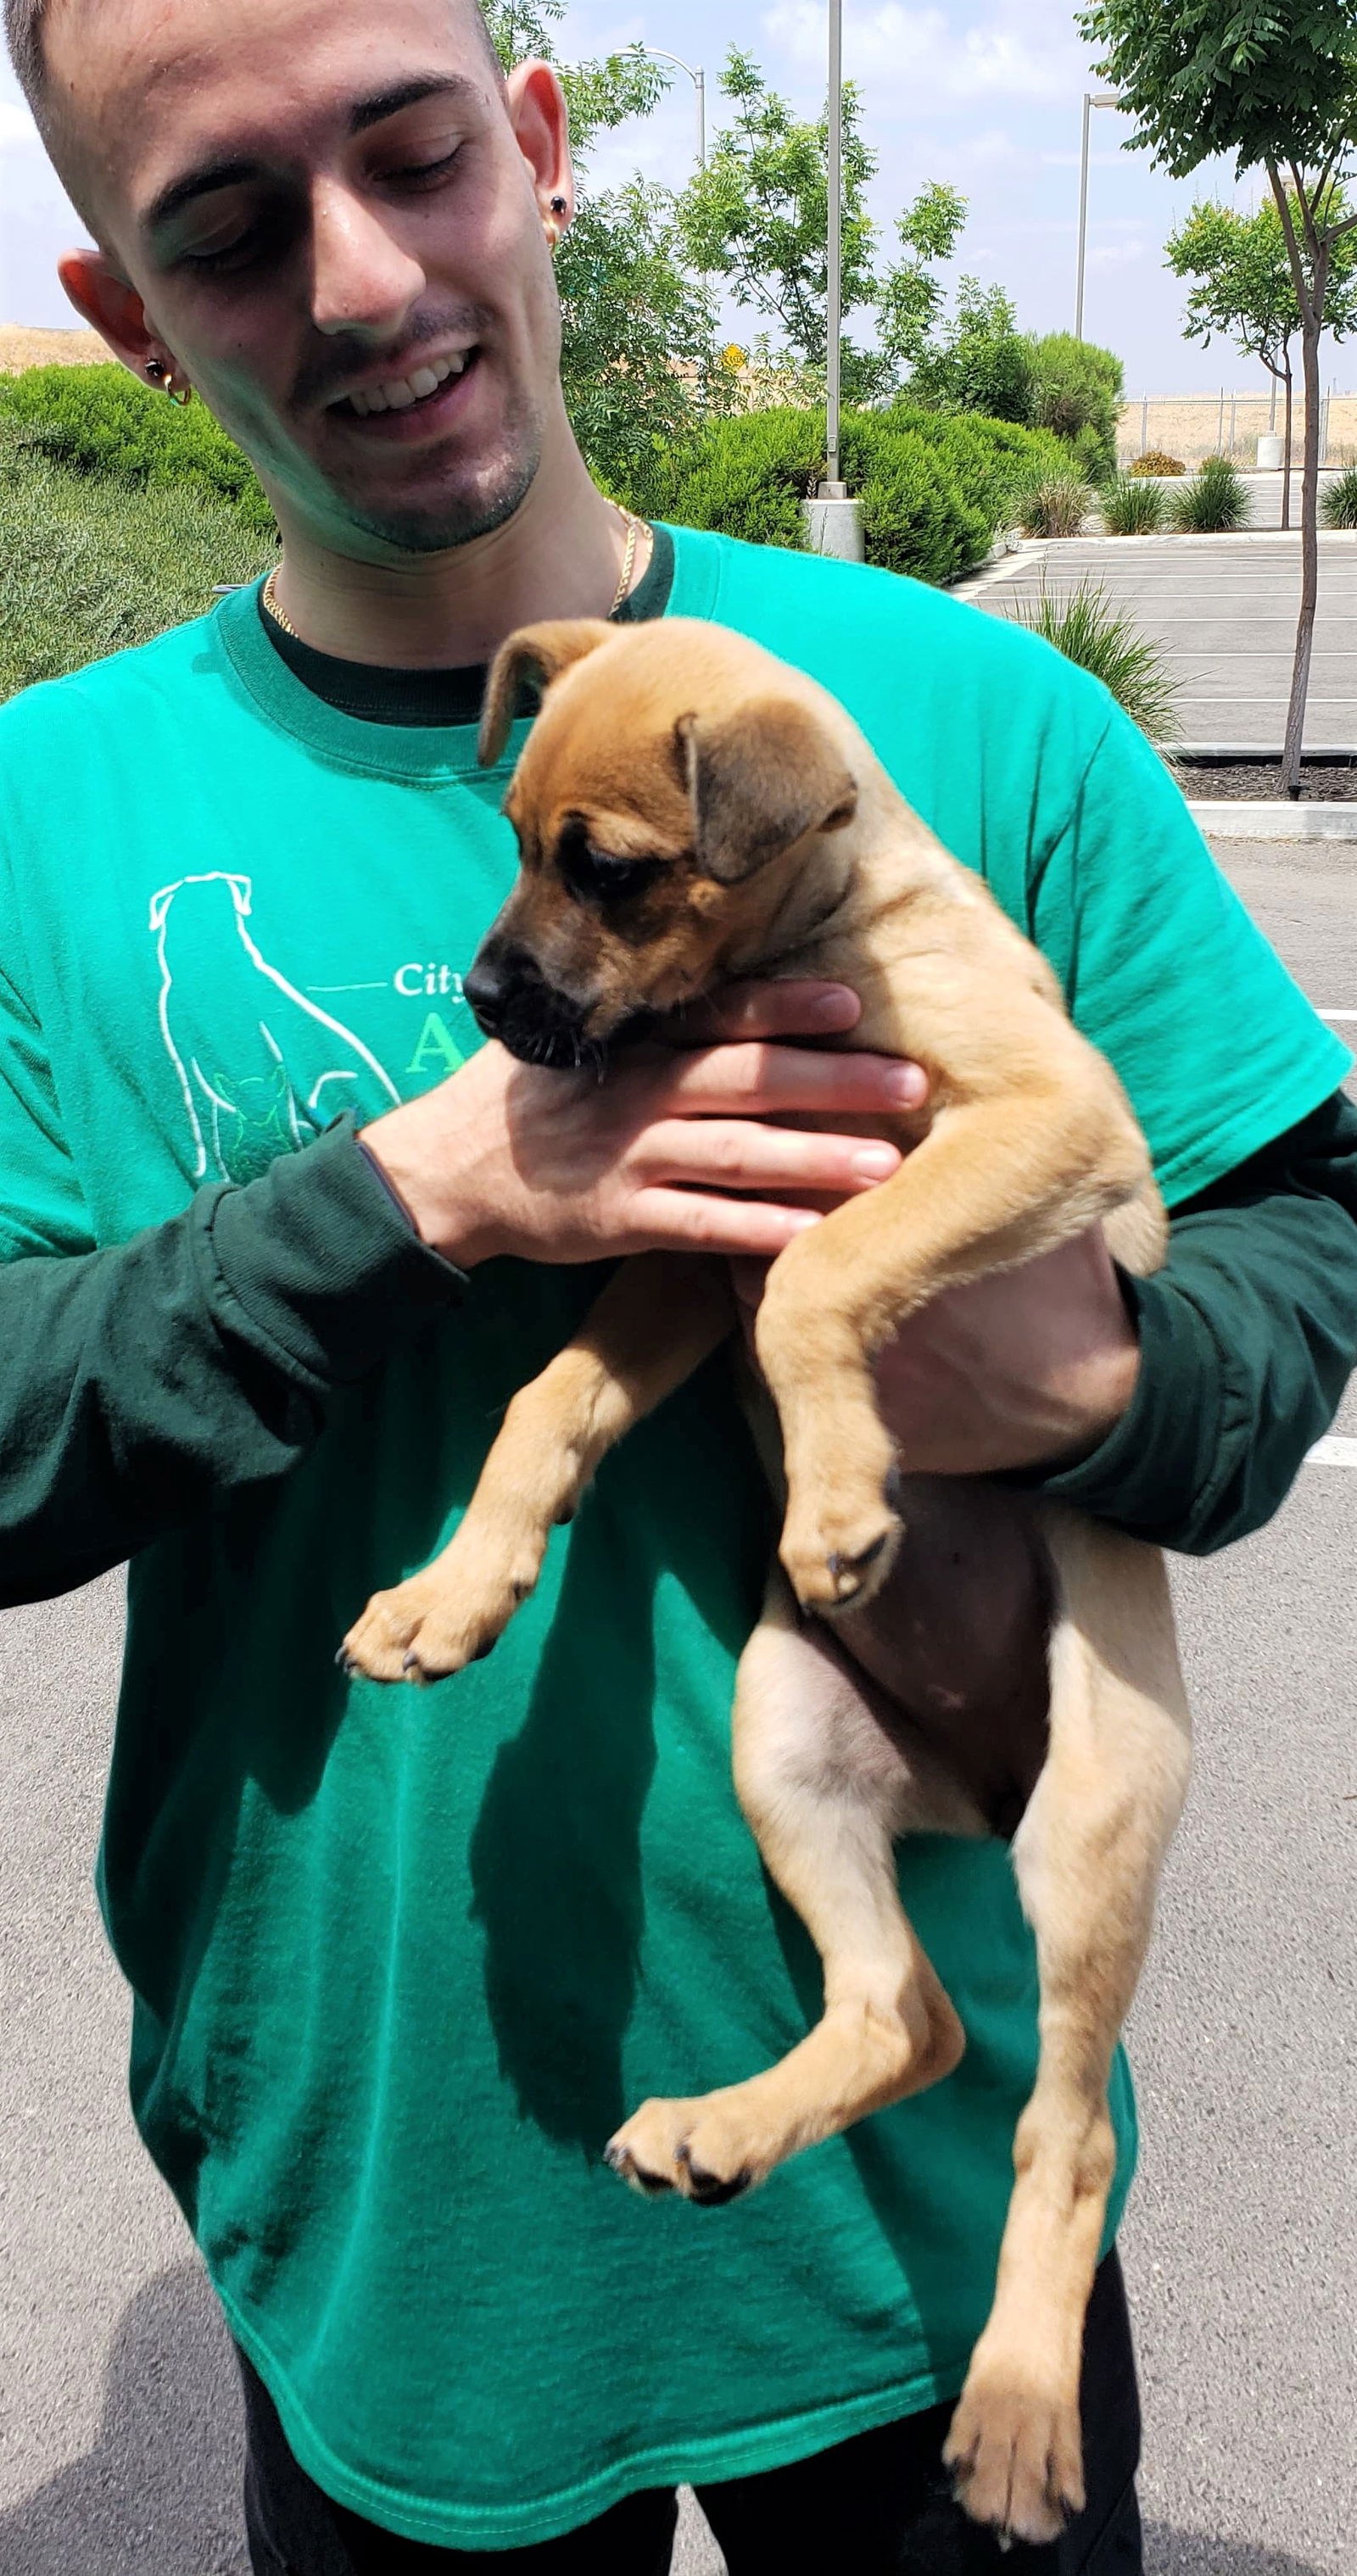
[(699, 80), (833, 522), (1092, 98)]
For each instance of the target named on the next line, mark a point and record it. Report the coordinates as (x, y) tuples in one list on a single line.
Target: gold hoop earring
[(180, 394), (553, 232)]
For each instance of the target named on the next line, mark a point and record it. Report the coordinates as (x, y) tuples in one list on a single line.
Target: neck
[(560, 555)]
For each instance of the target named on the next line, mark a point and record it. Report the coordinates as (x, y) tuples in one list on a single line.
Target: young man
[(401, 1961)]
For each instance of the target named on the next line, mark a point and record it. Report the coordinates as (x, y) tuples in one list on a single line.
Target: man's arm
[(144, 1382)]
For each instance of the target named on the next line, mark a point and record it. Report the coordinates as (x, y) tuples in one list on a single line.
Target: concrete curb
[(1240, 821)]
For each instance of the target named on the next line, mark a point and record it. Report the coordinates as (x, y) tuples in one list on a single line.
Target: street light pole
[(699, 80), (834, 298), (1092, 99)]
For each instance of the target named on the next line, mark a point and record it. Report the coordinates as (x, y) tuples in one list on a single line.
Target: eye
[(594, 876), (422, 174)]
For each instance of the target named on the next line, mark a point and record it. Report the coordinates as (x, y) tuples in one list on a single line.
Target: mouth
[(407, 406)]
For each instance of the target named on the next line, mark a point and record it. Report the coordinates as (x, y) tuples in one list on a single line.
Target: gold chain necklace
[(636, 529)]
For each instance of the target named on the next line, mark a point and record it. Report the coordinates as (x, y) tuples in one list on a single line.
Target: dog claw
[(708, 2189)]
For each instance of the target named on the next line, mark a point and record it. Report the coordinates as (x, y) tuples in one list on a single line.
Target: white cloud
[(1115, 254), (1013, 51)]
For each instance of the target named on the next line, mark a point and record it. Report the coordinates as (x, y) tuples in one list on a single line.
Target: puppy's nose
[(492, 977)]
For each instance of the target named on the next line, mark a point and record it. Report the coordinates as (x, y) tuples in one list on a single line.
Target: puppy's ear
[(758, 780), (534, 653)]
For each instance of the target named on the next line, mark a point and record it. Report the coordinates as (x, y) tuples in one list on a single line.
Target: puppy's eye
[(595, 876)]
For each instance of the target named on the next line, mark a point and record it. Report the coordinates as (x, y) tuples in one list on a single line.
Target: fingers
[(737, 1154), (760, 1081), (794, 1009), (688, 1221)]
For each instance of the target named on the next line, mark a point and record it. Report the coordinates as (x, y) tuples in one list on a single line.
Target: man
[(401, 1961)]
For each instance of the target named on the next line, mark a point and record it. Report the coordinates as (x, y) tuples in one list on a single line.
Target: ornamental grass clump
[(1132, 507), (1338, 501), (1088, 630), (1056, 505), (1214, 502), (1154, 461)]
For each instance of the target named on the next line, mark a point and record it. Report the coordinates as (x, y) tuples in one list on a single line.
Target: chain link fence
[(1191, 426)]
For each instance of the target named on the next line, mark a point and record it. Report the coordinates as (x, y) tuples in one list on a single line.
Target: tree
[(979, 360), (758, 215), (639, 361), (1274, 83), (910, 299), (1245, 292)]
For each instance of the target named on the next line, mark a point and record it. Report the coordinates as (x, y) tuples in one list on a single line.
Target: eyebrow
[(365, 112)]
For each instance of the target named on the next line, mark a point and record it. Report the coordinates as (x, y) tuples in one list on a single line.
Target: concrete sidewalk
[(1222, 611)]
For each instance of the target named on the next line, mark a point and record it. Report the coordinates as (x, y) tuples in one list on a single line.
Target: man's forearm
[(142, 1383), (1248, 1336)]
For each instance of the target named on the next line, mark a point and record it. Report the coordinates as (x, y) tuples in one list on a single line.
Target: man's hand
[(1029, 1368), (673, 1151)]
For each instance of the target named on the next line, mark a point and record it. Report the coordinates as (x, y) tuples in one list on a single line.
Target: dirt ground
[(21, 348), (1239, 781)]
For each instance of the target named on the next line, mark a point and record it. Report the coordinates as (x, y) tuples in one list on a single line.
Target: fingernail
[(836, 1008), (875, 1162), (907, 1084), (802, 1221)]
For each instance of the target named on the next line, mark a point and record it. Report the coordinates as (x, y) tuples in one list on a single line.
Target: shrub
[(1213, 502), (1088, 630), (1131, 507), (931, 495), (990, 459), (91, 565), (1055, 506), (100, 421), (983, 363), (1338, 500), (1154, 461), (1078, 394)]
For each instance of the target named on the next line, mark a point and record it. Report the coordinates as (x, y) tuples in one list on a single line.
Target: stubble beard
[(439, 526)]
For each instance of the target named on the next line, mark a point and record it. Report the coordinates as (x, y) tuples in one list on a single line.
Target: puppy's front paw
[(1016, 2453)]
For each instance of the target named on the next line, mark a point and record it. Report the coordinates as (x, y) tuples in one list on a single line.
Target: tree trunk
[(1309, 559), (1286, 469)]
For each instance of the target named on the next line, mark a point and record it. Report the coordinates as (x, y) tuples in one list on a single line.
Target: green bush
[(933, 491), (1131, 506), (992, 460), (1078, 393), (1213, 502), (1056, 505), (1338, 500), (91, 565), (983, 363), (100, 421), (1088, 630)]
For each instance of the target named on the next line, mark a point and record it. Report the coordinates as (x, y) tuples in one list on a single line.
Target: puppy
[(688, 811)]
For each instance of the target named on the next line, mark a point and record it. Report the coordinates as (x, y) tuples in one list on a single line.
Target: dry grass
[(21, 348)]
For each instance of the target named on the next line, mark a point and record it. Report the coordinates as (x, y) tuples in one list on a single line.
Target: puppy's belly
[(956, 1638)]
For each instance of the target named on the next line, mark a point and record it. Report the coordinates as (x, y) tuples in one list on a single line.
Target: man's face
[(323, 199)]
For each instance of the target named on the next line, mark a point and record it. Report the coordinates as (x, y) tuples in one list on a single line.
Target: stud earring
[(154, 370), (552, 225)]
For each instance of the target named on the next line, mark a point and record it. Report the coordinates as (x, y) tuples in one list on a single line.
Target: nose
[(362, 280), (496, 971)]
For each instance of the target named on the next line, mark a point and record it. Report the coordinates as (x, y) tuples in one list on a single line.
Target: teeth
[(400, 391)]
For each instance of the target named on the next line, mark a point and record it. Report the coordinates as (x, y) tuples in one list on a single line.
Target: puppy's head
[(674, 784)]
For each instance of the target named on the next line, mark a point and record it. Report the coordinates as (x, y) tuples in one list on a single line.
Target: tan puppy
[(689, 810)]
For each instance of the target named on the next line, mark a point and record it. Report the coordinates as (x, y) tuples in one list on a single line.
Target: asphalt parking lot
[(119, 2449)]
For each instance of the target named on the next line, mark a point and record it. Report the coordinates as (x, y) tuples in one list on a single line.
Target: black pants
[(878, 2505)]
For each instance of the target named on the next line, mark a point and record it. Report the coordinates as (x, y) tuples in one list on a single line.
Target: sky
[(983, 93)]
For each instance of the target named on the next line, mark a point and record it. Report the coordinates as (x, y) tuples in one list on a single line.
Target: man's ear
[(103, 298), (759, 780), (537, 653)]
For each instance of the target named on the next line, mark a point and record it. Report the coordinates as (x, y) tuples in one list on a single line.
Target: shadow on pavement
[(159, 2493), (1195, 2553)]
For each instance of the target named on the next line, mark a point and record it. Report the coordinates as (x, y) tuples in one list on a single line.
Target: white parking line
[(1336, 1449), (1336, 1015)]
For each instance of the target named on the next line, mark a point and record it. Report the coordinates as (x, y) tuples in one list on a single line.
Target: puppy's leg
[(1087, 1855), (656, 1320), (826, 1790), (995, 1183)]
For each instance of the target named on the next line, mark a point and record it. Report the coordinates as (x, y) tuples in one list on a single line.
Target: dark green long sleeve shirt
[(146, 1383)]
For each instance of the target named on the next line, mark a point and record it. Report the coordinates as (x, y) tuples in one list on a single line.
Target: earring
[(154, 370), (552, 226), (180, 394)]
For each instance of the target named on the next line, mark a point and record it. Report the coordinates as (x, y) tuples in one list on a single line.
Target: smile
[(406, 393)]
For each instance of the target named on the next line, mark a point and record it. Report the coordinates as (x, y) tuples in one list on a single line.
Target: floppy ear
[(758, 780), (534, 653)]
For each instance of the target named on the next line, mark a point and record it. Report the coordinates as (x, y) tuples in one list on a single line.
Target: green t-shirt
[(401, 1961)]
